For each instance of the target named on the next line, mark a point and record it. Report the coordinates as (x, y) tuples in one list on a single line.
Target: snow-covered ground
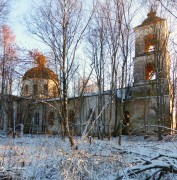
[(43, 157)]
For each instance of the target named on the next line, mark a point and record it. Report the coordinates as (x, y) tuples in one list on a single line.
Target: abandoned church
[(147, 104)]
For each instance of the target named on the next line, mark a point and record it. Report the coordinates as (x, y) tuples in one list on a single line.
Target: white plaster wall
[(40, 82)]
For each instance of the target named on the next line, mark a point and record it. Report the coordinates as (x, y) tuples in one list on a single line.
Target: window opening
[(51, 118), (45, 88), (149, 43), (35, 88), (26, 90), (72, 116), (126, 123), (36, 119), (126, 118), (150, 72)]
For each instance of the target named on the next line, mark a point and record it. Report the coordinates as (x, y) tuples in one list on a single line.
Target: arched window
[(26, 90), (35, 88), (150, 72), (51, 118), (126, 118), (45, 88), (72, 116), (149, 42), (126, 123)]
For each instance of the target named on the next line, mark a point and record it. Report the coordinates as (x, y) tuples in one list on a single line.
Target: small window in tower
[(45, 88), (149, 43), (26, 90), (150, 72), (51, 118), (36, 119), (35, 88)]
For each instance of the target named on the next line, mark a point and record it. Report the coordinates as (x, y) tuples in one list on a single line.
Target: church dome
[(40, 72), (40, 81)]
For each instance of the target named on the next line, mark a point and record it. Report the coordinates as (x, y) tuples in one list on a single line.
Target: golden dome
[(40, 72)]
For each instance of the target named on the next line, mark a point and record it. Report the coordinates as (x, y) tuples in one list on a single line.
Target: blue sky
[(21, 8)]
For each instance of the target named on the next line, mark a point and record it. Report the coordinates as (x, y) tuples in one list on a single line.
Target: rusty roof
[(40, 72)]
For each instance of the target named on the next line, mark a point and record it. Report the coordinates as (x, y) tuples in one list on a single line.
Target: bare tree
[(119, 21), (8, 63), (111, 39), (98, 43), (61, 27), (169, 6), (4, 10), (125, 15)]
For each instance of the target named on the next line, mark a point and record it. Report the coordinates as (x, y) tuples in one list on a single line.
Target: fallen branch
[(86, 131), (153, 167)]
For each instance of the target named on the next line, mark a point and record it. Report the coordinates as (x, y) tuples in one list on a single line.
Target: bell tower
[(151, 102), (152, 60)]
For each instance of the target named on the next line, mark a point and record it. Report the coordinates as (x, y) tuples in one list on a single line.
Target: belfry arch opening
[(150, 72), (149, 42)]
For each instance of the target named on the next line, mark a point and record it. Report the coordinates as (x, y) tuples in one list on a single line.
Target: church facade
[(150, 98)]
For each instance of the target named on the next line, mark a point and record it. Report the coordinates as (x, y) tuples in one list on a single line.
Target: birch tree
[(98, 49), (127, 13), (61, 27), (111, 39), (119, 22)]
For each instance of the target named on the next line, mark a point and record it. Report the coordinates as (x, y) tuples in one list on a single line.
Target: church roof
[(40, 72), (152, 18)]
